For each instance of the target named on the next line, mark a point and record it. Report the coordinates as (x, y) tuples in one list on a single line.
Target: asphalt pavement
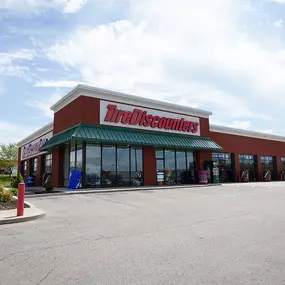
[(231, 234)]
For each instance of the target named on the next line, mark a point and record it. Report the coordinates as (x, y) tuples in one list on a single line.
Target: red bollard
[(21, 195)]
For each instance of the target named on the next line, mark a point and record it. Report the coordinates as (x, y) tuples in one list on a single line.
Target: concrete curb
[(112, 190), (31, 213)]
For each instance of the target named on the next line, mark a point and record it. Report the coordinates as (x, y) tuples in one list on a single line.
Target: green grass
[(5, 180)]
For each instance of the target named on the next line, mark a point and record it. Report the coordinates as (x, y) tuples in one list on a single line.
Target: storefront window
[(108, 166), (159, 153), (190, 167), (160, 161), (225, 163), (123, 166), (66, 162), (24, 168), (178, 166), (48, 163), (248, 168), (283, 163), (269, 168), (34, 166), (79, 161), (267, 162), (105, 166), (136, 167), (93, 165), (72, 162), (170, 168), (181, 167), (283, 168)]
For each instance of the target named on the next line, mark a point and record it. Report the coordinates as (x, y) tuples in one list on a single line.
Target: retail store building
[(117, 139)]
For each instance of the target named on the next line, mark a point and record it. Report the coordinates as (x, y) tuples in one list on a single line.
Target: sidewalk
[(40, 192), (10, 216)]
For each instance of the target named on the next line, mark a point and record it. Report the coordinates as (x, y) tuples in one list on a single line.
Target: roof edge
[(245, 133), (45, 129), (90, 91)]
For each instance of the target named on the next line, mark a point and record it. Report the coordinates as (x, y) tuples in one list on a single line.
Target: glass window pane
[(123, 166), (190, 167), (170, 172), (136, 167), (160, 165), (72, 158), (181, 167), (35, 166), (93, 165), (79, 158), (108, 165), (159, 153), (66, 166), (48, 163)]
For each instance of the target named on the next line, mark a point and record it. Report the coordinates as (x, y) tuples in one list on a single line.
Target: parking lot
[(232, 234)]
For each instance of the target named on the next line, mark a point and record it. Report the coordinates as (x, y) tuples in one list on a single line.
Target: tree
[(9, 156)]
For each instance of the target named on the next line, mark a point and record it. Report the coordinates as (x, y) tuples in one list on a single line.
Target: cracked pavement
[(230, 234)]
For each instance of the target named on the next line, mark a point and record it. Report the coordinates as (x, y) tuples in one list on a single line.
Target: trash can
[(30, 181)]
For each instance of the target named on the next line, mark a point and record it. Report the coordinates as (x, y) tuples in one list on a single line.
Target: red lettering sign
[(142, 118)]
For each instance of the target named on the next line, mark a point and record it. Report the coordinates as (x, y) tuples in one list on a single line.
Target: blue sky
[(226, 56)]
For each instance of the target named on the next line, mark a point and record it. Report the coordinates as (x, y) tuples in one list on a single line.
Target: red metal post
[(21, 195)]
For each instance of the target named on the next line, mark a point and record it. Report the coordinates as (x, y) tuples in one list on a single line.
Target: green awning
[(103, 134)]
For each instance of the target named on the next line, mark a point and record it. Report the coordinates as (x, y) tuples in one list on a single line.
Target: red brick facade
[(86, 109), (252, 146), (81, 110)]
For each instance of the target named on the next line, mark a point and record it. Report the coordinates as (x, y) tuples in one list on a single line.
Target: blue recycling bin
[(30, 181), (74, 179)]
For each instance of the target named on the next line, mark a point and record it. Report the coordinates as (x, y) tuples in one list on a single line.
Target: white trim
[(36, 134), (245, 133), (85, 90)]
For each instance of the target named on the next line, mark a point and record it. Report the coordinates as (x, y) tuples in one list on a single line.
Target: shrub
[(48, 184), (6, 196), (1, 189), (13, 191), (18, 179)]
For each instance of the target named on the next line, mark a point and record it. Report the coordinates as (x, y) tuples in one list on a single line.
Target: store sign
[(33, 148), (122, 115)]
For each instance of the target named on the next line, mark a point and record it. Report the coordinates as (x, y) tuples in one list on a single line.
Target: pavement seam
[(47, 275)]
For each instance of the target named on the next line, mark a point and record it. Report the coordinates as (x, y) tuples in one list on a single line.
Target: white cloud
[(57, 83), (234, 124), (13, 133), (279, 23), (245, 125), (42, 69), (43, 104), (72, 6), (11, 63), (278, 1), (8, 57), (188, 54), (36, 6)]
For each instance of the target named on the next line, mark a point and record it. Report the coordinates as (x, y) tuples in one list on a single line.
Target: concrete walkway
[(10, 216), (40, 192)]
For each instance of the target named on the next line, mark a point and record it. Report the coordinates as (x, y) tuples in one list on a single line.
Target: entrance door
[(269, 168), (248, 168), (178, 166), (225, 164)]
